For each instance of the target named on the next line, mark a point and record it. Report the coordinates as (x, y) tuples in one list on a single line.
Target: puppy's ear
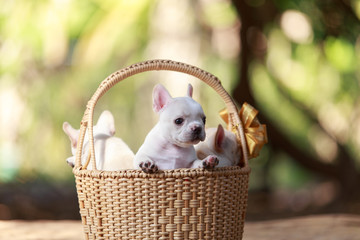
[(190, 90), (106, 123), (160, 97), (72, 133), (219, 139)]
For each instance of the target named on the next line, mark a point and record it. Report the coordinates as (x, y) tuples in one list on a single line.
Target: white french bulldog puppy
[(170, 144), (111, 153), (221, 143)]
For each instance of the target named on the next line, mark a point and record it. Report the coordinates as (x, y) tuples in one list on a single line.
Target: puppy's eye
[(179, 121), (204, 120)]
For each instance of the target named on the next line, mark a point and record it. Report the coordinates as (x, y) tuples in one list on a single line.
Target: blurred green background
[(297, 62)]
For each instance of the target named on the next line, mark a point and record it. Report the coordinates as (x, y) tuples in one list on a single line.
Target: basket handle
[(235, 123)]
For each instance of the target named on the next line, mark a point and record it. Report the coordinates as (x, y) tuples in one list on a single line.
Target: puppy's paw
[(210, 162), (148, 166)]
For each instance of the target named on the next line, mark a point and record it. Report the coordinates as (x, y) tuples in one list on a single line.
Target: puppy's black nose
[(197, 129)]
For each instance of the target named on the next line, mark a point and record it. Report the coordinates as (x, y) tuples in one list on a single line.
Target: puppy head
[(182, 119), (105, 125), (221, 143)]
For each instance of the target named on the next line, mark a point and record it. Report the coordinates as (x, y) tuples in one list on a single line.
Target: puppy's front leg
[(209, 162), (148, 166)]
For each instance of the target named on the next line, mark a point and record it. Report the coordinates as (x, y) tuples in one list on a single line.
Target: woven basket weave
[(171, 204)]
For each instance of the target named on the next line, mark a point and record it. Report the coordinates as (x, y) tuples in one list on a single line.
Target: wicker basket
[(172, 204)]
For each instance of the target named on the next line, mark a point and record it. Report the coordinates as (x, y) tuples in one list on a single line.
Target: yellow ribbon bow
[(255, 133)]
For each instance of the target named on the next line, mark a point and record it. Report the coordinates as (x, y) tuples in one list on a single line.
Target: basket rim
[(173, 173)]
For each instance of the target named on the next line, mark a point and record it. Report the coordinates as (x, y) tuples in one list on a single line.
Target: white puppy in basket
[(170, 144), (221, 143), (111, 153)]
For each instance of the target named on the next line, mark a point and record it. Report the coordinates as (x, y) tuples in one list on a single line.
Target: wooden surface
[(322, 227)]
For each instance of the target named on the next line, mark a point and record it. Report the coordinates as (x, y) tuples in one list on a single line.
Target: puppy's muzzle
[(196, 130), (197, 133), (71, 164)]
